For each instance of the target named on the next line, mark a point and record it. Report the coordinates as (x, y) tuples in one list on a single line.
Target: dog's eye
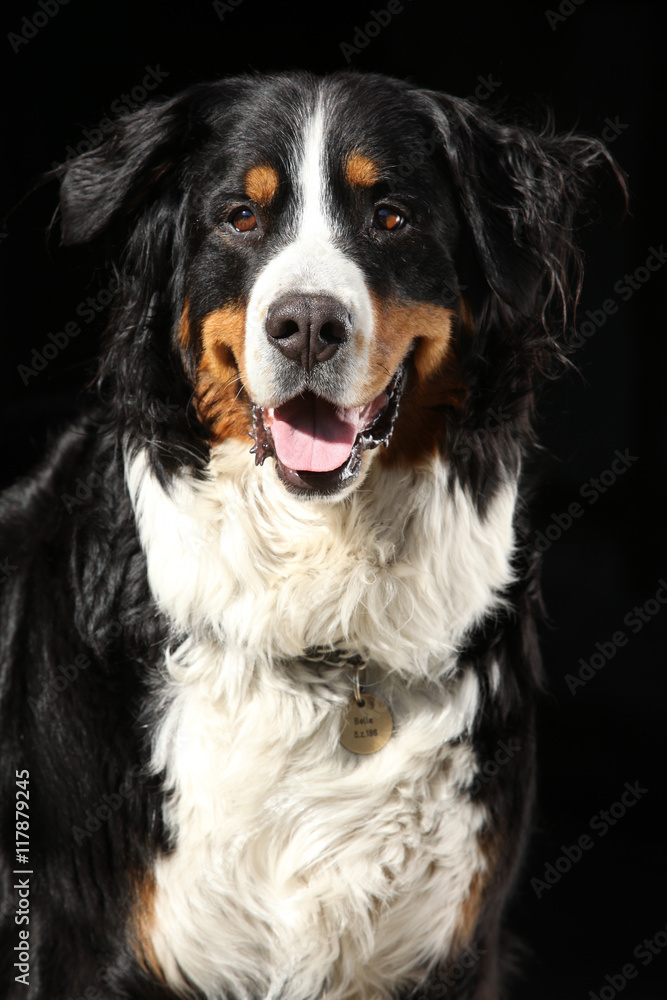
[(388, 218), (243, 220)]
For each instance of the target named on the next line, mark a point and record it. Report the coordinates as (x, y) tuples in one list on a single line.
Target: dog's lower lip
[(377, 432)]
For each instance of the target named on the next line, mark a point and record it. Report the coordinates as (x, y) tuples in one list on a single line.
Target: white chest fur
[(300, 868)]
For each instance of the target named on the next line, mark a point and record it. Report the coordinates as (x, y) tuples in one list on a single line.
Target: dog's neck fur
[(400, 570)]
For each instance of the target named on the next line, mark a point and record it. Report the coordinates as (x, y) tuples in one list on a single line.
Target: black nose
[(308, 328)]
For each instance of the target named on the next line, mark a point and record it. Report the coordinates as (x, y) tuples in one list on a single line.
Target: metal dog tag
[(366, 726)]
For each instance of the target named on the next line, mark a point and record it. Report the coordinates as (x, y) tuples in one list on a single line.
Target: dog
[(269, 656)]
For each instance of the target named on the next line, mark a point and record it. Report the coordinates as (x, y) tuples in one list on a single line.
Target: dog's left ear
[(521, 193)]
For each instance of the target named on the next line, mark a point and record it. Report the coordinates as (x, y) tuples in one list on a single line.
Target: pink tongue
[(311, 436)]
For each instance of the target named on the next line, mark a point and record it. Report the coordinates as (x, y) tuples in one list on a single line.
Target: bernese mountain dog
[(269, 656)]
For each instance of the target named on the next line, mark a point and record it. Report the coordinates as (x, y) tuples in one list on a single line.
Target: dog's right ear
[(116, 178)]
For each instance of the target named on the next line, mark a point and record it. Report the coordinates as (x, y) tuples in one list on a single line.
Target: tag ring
[(359, 665)]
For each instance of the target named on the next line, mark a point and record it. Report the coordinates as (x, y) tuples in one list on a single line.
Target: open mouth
[(318, 446)]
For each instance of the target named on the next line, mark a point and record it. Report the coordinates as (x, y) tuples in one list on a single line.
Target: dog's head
[(329, 265)]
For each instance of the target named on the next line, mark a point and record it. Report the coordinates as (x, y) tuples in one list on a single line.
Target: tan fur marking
[(144, 916), (360, 171), (184, 332), (221, 400), (470, 910), (435, 380), (473, 904), (397, 325), (261, 183), (465, 312)]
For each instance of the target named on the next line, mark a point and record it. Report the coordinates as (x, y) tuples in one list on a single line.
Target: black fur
[(497, 206)]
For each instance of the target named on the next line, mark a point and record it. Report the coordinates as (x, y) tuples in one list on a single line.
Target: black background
[(597, 62)]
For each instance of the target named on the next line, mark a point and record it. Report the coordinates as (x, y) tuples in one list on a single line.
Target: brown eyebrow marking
[(360, 171), (261, 183)]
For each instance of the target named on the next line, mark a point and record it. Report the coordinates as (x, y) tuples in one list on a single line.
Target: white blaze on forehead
[(310, 264), (314, 221)]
